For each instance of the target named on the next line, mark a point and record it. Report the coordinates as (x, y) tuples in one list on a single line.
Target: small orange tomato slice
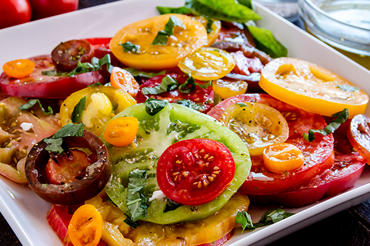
[(207, 63), (282, 157), (121, 131), (257, 124), (226, 88), (120, 78), (86, 226), (19, 68), (311, 87)]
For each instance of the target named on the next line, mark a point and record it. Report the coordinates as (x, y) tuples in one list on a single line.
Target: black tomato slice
[(85, 186), (195, 171), (359, 135), (67, 54)]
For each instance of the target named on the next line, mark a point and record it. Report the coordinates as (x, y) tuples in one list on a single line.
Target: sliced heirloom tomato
[(226, 88), (195, 171), (101, 48), (149, 56), (198, 98), (122, 79), (101, 104), (341, 176), (157, 132), (318, 154), (19, 68), (213, 30), (86, 184), (43, 86), (311, 87), (359, 135)]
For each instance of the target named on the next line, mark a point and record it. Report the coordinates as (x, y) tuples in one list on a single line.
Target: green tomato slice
[(155, 134)]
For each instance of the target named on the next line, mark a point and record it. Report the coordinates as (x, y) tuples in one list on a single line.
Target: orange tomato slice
[(215, 28), (311, 87), (282, 157), (19, 68), (121, 131), (121, 79), (148, 56), (86, 226), (226, 88)]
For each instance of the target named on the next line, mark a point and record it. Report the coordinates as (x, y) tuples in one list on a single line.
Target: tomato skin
[(42, 86), (202, 97), (14, 12), (342, 176), (46, 8), (319, 154)]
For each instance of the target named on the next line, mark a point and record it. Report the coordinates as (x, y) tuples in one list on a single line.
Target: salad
[(147, 169)]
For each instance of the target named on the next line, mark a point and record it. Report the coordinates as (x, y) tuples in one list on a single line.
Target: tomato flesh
[(359, 135), (319, 154), (195, 171)]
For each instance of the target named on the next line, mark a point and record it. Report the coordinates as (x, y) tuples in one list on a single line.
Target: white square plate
[(26, 212)]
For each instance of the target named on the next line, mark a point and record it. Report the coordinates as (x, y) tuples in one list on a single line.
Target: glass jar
[(343, 24)]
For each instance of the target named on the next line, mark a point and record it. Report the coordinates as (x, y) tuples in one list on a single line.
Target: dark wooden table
[(348, 227)]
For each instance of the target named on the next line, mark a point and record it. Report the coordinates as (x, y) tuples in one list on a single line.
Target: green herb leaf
[(216, 9), (129, 222), (241, 104), (191, 104), (245, 220), (272, 216), (54, 145), (153, 106), (247, 3), (54, 73), (168, 84), (184, 88), (96, 84), (32, 103), (170, 10), (130, 47), (348, 88), (266, 42), (134, 199), (340, 118), (95, 65), (138, 73), (78, 109), (162, 36), (209, 24), (70, 130)]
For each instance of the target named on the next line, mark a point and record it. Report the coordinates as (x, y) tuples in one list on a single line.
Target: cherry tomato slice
[(121, 131), (282, 157), (257, 124), (226, 88), (207, 63), (67, 54), (318, 154), (311, 87), (19, 68), (124, 80), (359, 135), (195, 171), (86, 226)]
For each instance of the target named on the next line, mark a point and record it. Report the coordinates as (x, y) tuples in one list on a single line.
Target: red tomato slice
[(195, 171), (202, 98), (42, 86), (342, 176), (318, 154), (359, 135), (101, 48)]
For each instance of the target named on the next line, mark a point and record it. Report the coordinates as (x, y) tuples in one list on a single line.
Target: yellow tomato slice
[(214, 29), (207, 63), (148, 56), (226, 88), (311, 87), (257, 124)]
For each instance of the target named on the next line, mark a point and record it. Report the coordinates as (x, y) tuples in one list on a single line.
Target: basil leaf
[(348, 88), (266, 42), (153, 106), (54, 73), (134, 199), (209, 24), (162, 36), (247, 3), (130, 47), (241, 104), (245, 220), (78, 109), (131, 223), (95, 65), (54, 145), (138, 73), (217, 9), (70, 130), (170, 10), (32, 103), (96, 84), (340, 116), (272, 216), (184, 88), (191, 104), (168, 84)]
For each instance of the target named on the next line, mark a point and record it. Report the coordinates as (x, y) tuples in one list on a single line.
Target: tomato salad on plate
[(166, 132)]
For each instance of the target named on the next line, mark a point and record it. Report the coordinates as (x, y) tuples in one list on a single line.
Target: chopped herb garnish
[(130, 47), (191, 104), (78, 109), (184, 88), (241, 104), (168, 84), (129, 222), (161, 38), (340, 117), (96, 84), (136, 201), (209, 24), (245, 220), (54, 143), (32, 103), (153, 106), (348, 88), (170, 10)]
